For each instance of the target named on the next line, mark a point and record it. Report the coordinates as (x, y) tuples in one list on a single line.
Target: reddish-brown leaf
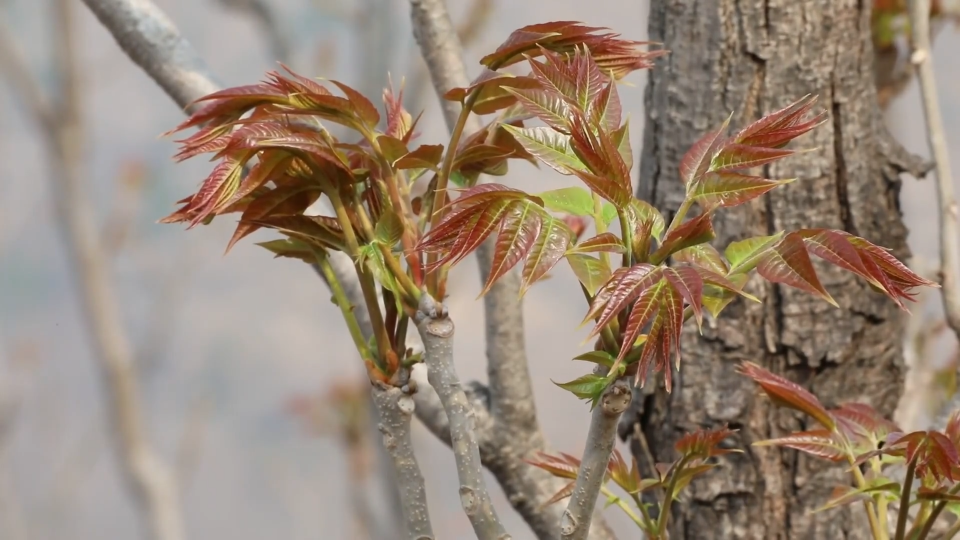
[(425, 156), (688, 282), (821, 443), (780, 127), (725, 189), (281, 201), (526, 232), (734, 157), (703, 443), (789, 264), (788, 394), (696, 231), (606, 242), (696, 161)]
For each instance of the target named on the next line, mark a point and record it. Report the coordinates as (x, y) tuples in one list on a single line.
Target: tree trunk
[(752, 57)]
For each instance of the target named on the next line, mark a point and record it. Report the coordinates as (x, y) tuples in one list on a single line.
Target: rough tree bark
[(752, 57)]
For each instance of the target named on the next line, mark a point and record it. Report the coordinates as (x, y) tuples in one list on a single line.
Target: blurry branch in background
[(922, 57), (262, 13), (342, 411), (890, 27), (949, 270), (60, 122), (469, 30), (931, 379), (16, 368)]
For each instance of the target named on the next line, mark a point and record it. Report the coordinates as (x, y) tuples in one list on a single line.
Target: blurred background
[(251, 390)]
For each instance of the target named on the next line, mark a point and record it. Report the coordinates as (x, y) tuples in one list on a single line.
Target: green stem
[(650, 525), (622, 504), (600, 226), (346, 308), (435, 213), (935, 513), (668, 497), (905, 500), (627, 240), (367, 286), (681, 213)]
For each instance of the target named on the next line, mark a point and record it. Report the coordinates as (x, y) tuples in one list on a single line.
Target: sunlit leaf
[(788, 263), (548, 146), (745, 255), (724, 189), (606, 243), (571, 200)]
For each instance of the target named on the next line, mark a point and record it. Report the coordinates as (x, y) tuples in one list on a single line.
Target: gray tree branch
[(152, 41), (514, 432), (396, 408), (601, 438), (436, 331), (149, 477), (949, 226)]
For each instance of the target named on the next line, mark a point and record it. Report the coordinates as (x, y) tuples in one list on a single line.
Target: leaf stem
[(366, 280), (600, 225), (343, 302), (401, 207), (627, 234), (622, 504), (669, 495), (650, 525), (935, 513), (879, 533), (904, 513), (681, 213)]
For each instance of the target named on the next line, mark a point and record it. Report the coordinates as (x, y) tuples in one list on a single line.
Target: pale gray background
[(251, 332)]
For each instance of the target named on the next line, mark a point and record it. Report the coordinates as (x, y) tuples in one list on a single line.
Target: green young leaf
[(745, 255), (609, 213), (572, 200), (588, 387), (591, 271), (389, 229), (548, 146), (602, 358), (290, 248)]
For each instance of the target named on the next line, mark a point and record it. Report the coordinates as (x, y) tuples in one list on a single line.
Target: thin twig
[(148, 476), (395, 410), (436, 331), (596, 456), (261, 11), (949, 227)]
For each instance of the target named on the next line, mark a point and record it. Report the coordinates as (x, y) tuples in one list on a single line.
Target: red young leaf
[(549, 147), (688, 282), (704, 256), (616, 56), (562, 466), (525, 232), (788, 263), (696, 231), (695, 162), (821, 443), (606, 242), (281, 201), (724, 189), (734, 157), (788, 394), (780, 127), (702, 444), (859, 420), (399, 121)]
